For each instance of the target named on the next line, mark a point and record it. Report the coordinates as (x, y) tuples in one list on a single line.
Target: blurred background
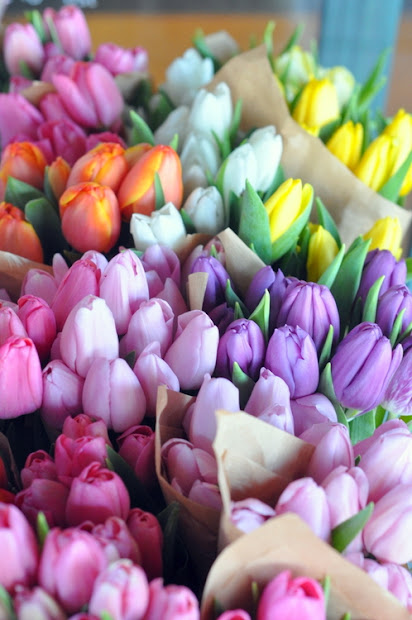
[(348, 32)]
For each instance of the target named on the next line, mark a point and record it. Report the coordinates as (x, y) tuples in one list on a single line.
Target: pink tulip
[(171, 602), (72, 30), (88, 333), (38, 464), (19, 545), (46, 496), (117, 540), (207, 494), (17, 116), (66, 139), (59, 63), (193, 352), (270, 401), (249, 514), (234, 614), (299, 598), (308, 500), (39, 322), (332, 448), (163, 261), (137, 448), (52, 107), (70, 562), (62, 394), (10, 324), (171, 293), (153, 321), (97, 258), (36, 603), (22, 46), (19, 365), (39, 283), (152, 371), (113, 393), (93, 139), (124, 287), (71, 456), (312, 409), (83, 425), (96, 494), (119, 60), (146, 531)]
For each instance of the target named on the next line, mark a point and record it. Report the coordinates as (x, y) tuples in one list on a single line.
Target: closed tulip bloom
[(96, 494), (308, 500), (52, 107), (400, 128), (39, 283), (17, 117), (212, 111), (62, 394), (10, 324), (38, 464), (383, 533), (104, 164), (216, 281), (18, 540), (249, 514), (90, 217), (121, 590), (222, 315), (185, 75), (58, 63), (113, 393), (137, 190), (234, 614), (173, 296), (207, 494), (270, 401), (152, 371), (164, 261), (300, 63), (205, 208), (137, 448), (124, 287), (22, 46), (119, 59), (381, 263), (288, 597), (57, 174), (317, 105), (72, 31), (147, 532), (239, 166), (312, 307), (332, 448), (164, 227), (286, 204), (70, 552), (267, 146), (46, 496), (23, 161), (36, 603), (322, 249), (242, 342), (386, 234), (83, 425), (39, 321), (273, 281), (153, 321), (71, 456), (395, 300), (362, 367), (89, 332), (17, 235), (311, 409), (376, 165), (116, 539), (346, 143), (170, 602), (64, 138), (194, 349), (291, 354), (184, 464)]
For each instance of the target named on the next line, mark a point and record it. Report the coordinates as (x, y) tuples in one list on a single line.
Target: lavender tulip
[(332, 448), (152, 371), (312, 409), (380, 263), (216, 281), (242, 342), (152, 322), (270, 401), (390, 304), (273, 281), (249, 514), (62, 394)]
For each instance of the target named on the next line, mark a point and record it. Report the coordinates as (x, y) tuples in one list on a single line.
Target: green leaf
[(346, 283), (238, 314), (19, 193), (232, 298), (36, 19), (164, 107), (268, 42), (347, 616), (187, 221), (362, 426), (293, 39), (104, 615), (7, 603), (326, 589), (48, 192), (329, 275), (380, 416), (326, 388), (224, 145), (329, 129), (405, 333), (174, 142), (141, 130), (374, 82), (45, 221), (42, 528), (201, 46), (326, 220), (408, 262), (169, 521), (261, 313), (371, 301), (396, 328), (324, 356), (344, 533), (392, 187), (254, 224), (159, 195), (290, 237), (236, 118), (243, 382)]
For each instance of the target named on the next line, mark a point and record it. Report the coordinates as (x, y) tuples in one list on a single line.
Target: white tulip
[(206, 210), (267, 146), (194, 176), (240, 165), (200, 148), (175, 123), (212, 111), (299, 64), (185, 75), (164, 226)]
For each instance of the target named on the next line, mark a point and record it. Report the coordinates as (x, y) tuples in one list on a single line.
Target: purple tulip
[(270, 401), (398, 395), (291, 354), (222, 315), (216, 281), (248, 514), (273, 281), (311, 409), (160, 263), (362, 367), (242, 342), (380, 263), (390, 304), (332, 448)]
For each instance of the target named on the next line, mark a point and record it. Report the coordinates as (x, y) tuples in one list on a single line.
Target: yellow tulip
[(286, 205), (376, 166), (400, 129), (386, 234), (346, 143), (322, 249), (317, 105)]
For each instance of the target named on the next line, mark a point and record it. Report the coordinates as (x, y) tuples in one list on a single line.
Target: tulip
[(90, 217), (46, 496), (19, 365), (222, 45), (58, 63), (205, 208), (343, 80), (185, 75), (308, 500), (376, 165), (239, 166), (64, 138), (170, 602), (214, 394), (270, 401), (322, 249), (146, 531), (244, 343), (395, 300), (273, 281), (52, 107), (80, 93), (400, 128), (89, 332), (10, 324), (116, 539), (291, 355), (22, 48), (171, 294), (386, 234), (286, 204), (17, 539), (75, 553), (137, 190), (222, 315), (94, 139), (57, 175), (36, 603), (217, 280), (362, 367), (267, 146), (381, 263), (62, 394), (346, 143), (96, 494), (119, 60), (97, 258), (333, 448), (311, 409), (317, 104), (234, 614), (382, 534), (137, 448), (38, 464), (300, 65), (83, 425), (39, 321), (124, 287), (248, 514), (70, 26), (17, 116), (199, 157), (153, 321), (312, 307), (17, 235), (152, 371), (164, 227), (104, 164), (211, 112), (39, 283), (185, 464), (164, 261), (194, 349), (288, 597), (112, 392), (23, 161), (71, 456)]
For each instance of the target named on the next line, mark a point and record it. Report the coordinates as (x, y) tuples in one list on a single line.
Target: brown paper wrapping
[(287, 542), (353, 205), (13, 268), (241, 262)]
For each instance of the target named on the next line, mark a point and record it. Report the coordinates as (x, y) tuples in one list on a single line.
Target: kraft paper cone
[(13, 268), (353, 205), (199, 525), (286, 542), (196, 289), (241, 262)]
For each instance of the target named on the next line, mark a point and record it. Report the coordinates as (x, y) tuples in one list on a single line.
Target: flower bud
[(62, 394), (312, 409), (346, 143), (332, 448), (36, 603), (137, 448), (152, 371), (153, 321), (273, 281), (322, 249), (39, 321), (285, 596), (83, 425), (120, 60), (116, 539), (216, 281), (72, 30), (270, 401), (146, 531), (163, 227), (317, 105), (185, 75), (395, 300), (57, 174), (104, 164), (381, 263), (10, 324), (46, 496), (38, 464), (287, 203), (64, 138), (386, 234), (205, 208), (244, 343), (17, 536), (248, 514), (400, 128), (376, 166), (18, 117), (22, 46), (171, 601), (23, 161), (71, 456), (17, 235)]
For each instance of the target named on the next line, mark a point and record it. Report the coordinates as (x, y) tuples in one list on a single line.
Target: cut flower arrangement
[(204, 355)]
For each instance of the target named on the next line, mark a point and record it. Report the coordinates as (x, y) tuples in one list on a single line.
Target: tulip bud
[(46, 496), (311, 409), (175, 123), (119, 60), (186, 75), (17, 235), (17, 536), (376, 166), (400, 128), (71, 456), (333, 448), (205, 208), (137, 448), (25, 162), (57, 63), (153, 321), (317, 105), (162, 260), (72, 30), (152, 371), (115, 539), (18, 117), (273, 281), (395, 300), (287, 596), (270, 401), (287, 203), (362, 367), (211, 112), (346, 143), (217, 280), (90, 217), (83, 425), (38, 464), (300, 65), (64, 137), (10, 324), (322, 249), (164, 227), (58, 173), (22, 48), (146, 530), (244, 343), (386, 234), (381, 263), (347, 493), (234, 614), (104, 164), (248, 514), (39, 283), (62, 394), (39, 322), (239, 166), (36, 603)]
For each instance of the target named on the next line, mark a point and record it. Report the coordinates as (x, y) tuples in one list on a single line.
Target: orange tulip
[(23, 161), (105, 164), (133, 153), (137, 191), (58, 173), (17, 235), (90, 217)]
